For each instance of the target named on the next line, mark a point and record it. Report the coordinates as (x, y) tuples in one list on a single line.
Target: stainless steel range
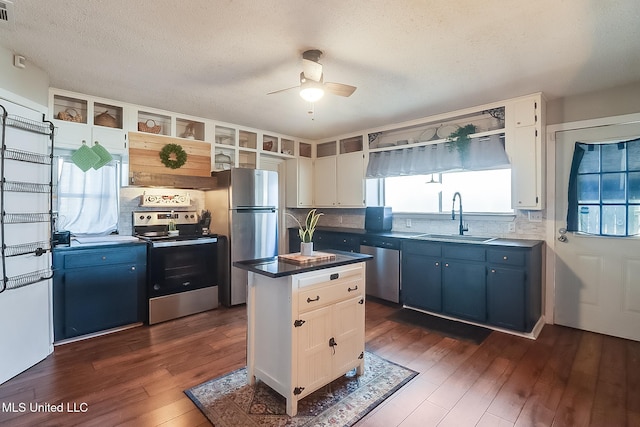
[(182, 274)]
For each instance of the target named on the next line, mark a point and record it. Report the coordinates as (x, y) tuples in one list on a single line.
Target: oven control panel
[(163, 217)]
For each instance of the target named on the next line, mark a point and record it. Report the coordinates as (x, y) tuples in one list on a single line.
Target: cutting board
[(297, 258)]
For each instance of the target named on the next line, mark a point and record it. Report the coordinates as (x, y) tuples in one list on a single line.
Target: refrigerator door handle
[(251, 209)]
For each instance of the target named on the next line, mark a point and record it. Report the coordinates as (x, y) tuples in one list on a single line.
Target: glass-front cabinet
[(156, 123), (82, 119)]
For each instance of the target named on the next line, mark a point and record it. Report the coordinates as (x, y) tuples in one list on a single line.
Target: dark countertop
[(513, 243), (100, 242), (274, 268)]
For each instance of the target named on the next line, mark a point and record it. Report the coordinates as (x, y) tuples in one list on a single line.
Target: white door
[(26, 335), (348, 328), (597, 279), (314, 353)]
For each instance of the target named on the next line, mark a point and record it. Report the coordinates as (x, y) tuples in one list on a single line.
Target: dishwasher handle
[(380, 243)]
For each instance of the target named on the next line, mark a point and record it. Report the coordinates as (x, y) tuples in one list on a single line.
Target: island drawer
[(321, 295), (330, 286)]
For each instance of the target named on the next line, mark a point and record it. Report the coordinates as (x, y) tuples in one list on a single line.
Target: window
[(604, 189), (87, 201), (486, 191)]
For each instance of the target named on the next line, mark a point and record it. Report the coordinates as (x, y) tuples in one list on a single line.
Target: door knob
[(562, 237)]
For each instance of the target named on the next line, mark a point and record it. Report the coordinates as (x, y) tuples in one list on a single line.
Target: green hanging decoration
[(459, 140), (177, 151)]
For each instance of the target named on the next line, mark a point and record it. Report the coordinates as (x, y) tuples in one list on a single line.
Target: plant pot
[(306, 249)]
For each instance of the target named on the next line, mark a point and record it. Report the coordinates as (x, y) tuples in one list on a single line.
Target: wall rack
[(21, 257)]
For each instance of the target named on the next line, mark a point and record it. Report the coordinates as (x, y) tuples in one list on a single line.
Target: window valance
[(476, 154)]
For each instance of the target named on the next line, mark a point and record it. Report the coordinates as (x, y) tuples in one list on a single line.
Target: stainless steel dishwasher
[(383, 272)]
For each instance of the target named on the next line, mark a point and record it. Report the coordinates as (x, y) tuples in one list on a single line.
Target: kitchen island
[(305, 322)]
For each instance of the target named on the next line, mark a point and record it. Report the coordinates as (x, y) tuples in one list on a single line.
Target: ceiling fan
[(312, 85)]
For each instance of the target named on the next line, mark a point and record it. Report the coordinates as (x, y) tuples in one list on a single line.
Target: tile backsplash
[(518, 227), (131, 197)]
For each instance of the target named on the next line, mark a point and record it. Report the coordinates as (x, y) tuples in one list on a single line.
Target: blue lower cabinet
[(95, 289), (464, 290), (422, 282), (514, 287), (326, 240), (506, 297), (491, 284)]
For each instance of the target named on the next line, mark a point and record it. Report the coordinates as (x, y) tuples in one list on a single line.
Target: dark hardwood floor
[(137, 377)]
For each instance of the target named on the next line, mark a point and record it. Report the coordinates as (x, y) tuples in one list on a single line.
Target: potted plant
[(306, 231), (459, 139), (172, 228)]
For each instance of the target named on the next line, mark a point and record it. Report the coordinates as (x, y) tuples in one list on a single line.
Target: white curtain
[(87, 201), (480, 154)]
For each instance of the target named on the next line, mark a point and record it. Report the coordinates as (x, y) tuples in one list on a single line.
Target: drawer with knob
[(337, 287), (506, 257), (93, 258)]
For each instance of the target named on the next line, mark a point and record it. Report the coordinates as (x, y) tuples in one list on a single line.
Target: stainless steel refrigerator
[(244, 213)]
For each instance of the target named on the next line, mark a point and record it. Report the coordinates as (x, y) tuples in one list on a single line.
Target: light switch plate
[(535, 216)]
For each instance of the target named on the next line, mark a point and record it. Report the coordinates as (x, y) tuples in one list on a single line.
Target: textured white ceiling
[(409, 59)]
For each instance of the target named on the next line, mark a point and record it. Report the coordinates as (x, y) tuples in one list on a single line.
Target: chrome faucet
[(462, 228)]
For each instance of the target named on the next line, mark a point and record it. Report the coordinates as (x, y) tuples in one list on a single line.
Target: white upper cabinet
[(79, 118), (525, 148), (525, 111), (299, 183), (350, 180), (325, 181), (339, 174)]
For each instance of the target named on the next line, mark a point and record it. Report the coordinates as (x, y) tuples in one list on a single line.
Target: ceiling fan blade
[(339, 89), (312, 70), (282, 90)]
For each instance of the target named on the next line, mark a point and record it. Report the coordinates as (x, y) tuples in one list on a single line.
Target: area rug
[(229, 401), (448, 328)]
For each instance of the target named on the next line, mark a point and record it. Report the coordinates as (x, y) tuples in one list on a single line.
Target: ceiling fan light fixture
[(311, 91)]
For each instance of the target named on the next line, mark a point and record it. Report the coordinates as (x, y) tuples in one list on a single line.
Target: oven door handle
[(172, 243)]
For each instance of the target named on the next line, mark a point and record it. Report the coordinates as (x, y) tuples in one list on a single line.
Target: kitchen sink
[(454, 238)]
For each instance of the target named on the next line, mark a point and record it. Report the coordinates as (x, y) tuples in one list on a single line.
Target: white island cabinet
[(305, 323)]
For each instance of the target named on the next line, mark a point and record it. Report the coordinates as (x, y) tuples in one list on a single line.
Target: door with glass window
[(597, 268)]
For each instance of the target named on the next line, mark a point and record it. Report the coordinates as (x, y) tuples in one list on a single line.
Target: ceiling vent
[(6, 14)]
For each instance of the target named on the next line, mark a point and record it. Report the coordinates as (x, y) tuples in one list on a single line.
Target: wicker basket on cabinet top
[(149, 126)]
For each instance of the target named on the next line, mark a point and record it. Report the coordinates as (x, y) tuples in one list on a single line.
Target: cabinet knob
[(493, 270), (437, 264), (505, 258), (133, 268), (446, 264), (104, 257)]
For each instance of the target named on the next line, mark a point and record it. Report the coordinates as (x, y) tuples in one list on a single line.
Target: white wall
[(27, 86), (615, 101)]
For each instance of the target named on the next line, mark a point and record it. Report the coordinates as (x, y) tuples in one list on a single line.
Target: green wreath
[(168, 150)]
